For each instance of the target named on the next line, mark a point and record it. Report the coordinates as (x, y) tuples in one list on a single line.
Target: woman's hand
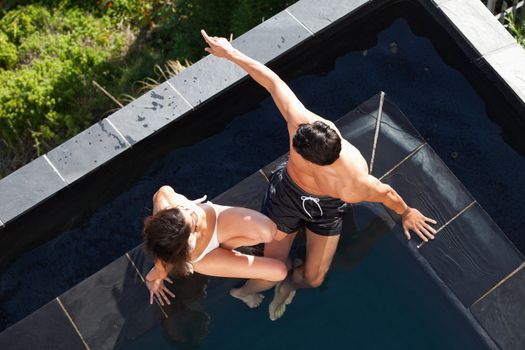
[(157, 287)]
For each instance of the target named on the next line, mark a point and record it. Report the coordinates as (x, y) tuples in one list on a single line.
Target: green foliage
[(8, 55), (247, 13), (516, 26), (56, 56), (52, 50)]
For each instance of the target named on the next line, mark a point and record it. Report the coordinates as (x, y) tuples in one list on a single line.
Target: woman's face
[(191, 212)]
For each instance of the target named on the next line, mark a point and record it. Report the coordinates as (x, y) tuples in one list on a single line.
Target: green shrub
[(516, 26), (8, 55), (58, 55), (52, 50)]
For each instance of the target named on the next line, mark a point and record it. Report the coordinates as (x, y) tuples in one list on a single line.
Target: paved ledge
[(266, 42), (149, 113), (509, 64), (141, 119), (86, 151), (48, 328), (477, 25), (27, 187), (501, 311), (317, 15), (493, 43)]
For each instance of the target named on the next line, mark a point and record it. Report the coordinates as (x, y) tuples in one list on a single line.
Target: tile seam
[(497, 285), (410, 155), (301, 23), (495, 51), (376, 131), (72, 323), (55, 169), (181, 96), (451, 220), (144, 281), (118, 132)]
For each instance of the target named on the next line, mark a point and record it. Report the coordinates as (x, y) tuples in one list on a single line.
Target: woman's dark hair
[(317, 142), (166, 237)]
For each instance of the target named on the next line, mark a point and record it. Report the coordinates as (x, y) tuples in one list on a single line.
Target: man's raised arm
[(291, 108)]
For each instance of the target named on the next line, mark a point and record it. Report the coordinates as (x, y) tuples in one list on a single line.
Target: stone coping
[(75, 159), (481, 274)]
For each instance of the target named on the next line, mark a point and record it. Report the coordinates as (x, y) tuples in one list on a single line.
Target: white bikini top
[(214, 241)]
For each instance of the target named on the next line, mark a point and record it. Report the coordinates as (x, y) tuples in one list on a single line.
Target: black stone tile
[(46, 328), (425, 183), (471, 254), (86, 151), (358, 126), (268, 169), (248, 193), (206, 78), (27, 187), (317, 15), (211, 75), (272, 38), (142, 261), (111, 307), (397, 137), (149, 113), (502, 312)]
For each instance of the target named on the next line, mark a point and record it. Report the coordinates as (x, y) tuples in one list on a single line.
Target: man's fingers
[(207, 49), (431, 229), (426, 232), (205, 35), (432, 221), (151, 297), (420, 234), (167, 279)]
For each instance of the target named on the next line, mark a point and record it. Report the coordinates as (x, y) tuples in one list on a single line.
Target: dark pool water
[(376, 296), (436, 98)]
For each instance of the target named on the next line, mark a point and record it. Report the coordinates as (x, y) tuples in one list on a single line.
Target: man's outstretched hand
[(414, 221), (219, 47)]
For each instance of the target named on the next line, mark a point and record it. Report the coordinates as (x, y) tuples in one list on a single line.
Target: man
[(323, 173)]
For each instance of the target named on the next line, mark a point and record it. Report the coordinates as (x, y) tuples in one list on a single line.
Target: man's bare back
[(321, 163)]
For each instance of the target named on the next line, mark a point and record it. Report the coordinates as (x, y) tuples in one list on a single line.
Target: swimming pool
[(376, 296), (441, 98)]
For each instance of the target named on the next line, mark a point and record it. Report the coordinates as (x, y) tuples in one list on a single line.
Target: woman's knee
[(315, 280), (267, 231), (279, 272)]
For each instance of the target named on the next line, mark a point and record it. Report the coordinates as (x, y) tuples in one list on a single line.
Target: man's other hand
[(414, 221)]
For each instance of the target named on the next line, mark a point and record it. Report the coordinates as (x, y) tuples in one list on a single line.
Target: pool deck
[(488, 282)]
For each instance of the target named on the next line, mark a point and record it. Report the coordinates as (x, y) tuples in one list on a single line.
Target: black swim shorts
[(290, 207)]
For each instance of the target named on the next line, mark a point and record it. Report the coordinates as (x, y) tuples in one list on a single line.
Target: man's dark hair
[(166, 238), (317, 142)]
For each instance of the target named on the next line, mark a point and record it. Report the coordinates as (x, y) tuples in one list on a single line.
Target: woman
[(186, 236)]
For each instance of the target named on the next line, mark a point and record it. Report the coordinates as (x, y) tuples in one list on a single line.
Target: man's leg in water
[(279, 248), (320, 251)]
